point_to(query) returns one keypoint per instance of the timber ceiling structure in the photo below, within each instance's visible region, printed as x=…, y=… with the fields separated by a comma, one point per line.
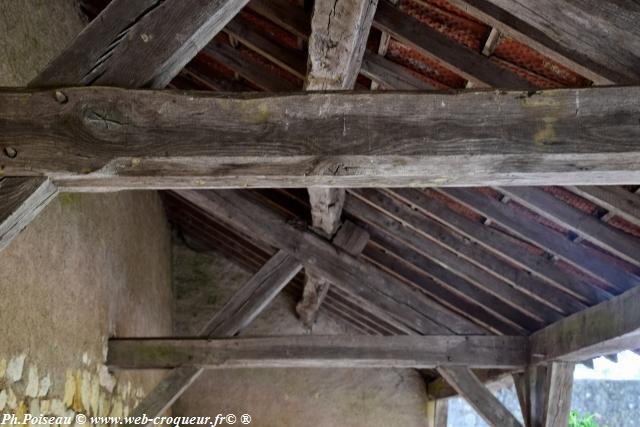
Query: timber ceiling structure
x=398, y=259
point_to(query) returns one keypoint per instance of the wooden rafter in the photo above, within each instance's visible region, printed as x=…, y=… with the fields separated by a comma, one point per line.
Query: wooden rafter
x=405, y=304
x=566, y=32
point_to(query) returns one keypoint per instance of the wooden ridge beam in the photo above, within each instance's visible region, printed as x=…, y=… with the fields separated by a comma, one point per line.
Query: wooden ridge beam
x=582, y=36
x=244, y=306
x=580, y=256
x=478, y=396
x=108, y=138
x=316, y=351
x=609, y=327
x=404, y=303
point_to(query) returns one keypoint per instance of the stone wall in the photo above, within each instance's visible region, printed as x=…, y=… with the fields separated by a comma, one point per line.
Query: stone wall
x=89, y=266
x=285, y=397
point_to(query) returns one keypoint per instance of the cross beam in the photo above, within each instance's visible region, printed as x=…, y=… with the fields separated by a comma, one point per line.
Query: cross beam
x=111, y=139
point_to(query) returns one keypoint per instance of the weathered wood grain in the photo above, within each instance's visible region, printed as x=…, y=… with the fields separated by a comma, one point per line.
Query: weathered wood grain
x=469, y=64
x=583, y=35
x=501, y=245
x=437, y=243
x=162, y=36
x=343, y=270
x=609, y=327
x=558, y=396
x=617, y=200
x=589, y=227
x=577, y=254
x=478, y=396
x=466, y=257
x=114, y=138
x=316, y=351
x=293, y=61
x=339, y=32
x=244, y=306
x=391, y=75
x=21, y=200
x=352, y=239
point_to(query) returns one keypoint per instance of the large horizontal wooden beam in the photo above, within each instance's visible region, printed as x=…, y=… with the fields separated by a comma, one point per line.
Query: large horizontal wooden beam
x=105, y=138
x=314, y=351
x=609, y=327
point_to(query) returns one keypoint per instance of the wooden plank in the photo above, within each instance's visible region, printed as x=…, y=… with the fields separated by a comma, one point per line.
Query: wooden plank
x=589, y=227
x=254, y=72
x=433, y=241
x=580, y=256
x=501, y=245
x=350, y=238
x=316, y=351
x=22, y=199
x=617, y=200
x=410, y=306
x=391, y=75
x=583, y=36
x=465, y=62
x=536, y=392
x=610, y=327
x=145, y=30
x=560, y=386
x=478, y=396
x=520, y=385
x=131, y=139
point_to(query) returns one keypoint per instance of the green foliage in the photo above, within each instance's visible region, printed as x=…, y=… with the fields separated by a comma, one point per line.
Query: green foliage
x=578, y=420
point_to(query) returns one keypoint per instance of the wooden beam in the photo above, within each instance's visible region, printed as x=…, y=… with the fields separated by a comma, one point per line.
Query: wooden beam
x=580, y=256
x=404, y=303
x=437, y=413
x=391, y=75
x=22, y=199
x=293, y=61
x=135, y=44
x=463, y=61
x=469, y=259
x=438, y=389
x=589, y=227
x=558, y=396
x=502, y=245
x=617, y=200
x=582, y=36
x=352, y=239
x=339, y=32
x=326, y=209
x=478, y=396
x=315, y=351
x=131, y=139
x=244, y=306
x=610, y=327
